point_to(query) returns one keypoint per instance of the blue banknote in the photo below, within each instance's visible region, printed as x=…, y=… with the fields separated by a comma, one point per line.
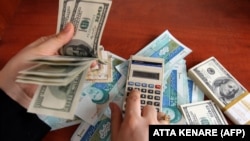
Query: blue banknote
x=95, y=97
x=166, y=46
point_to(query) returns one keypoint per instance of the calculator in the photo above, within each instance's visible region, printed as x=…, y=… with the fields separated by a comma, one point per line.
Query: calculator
x=146, y=75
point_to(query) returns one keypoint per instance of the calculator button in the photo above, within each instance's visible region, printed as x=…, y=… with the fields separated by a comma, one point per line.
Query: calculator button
x=143, y=101
x=137, y=89
x=143, y=90
x=156, y=103
x=149, y=102
x=130, y=83
x=157, y=92
x=157, y=98
x=158, y=110
x=143, y=96
x=144, y=84
x=150, y=91
x=158, y=86
x=137, y=84
x=130, y=88
x=151, y=85
x=150, y=97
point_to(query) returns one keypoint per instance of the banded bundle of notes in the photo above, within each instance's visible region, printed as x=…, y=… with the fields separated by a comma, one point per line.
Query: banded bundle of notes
x=203, y=113
x=221, y=87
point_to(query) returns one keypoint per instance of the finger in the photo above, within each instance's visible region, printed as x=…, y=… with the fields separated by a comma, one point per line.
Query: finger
x=94, y=64
x=133, y=105
x=149, y=111
x=54, y=43
x=163, y=118
x=116, y=120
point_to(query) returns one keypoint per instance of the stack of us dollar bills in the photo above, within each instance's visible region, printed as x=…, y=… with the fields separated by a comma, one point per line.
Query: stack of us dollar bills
x=203, y=113
x=223, y=89
x=61, y=78
x=88, y=18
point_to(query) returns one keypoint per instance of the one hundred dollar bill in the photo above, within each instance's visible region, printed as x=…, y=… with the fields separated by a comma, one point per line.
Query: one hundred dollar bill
x=60, y=60
x=58, y=101
x=65, y=11
x=55, y=75
x=203, y=113
x=216, y=82
x=89, y=18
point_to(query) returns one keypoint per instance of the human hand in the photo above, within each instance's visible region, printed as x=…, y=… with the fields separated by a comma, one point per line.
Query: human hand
x=44, y=46
x=135, y=125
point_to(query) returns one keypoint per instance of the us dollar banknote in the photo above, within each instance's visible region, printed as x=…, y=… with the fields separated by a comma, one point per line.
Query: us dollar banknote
x=203, y=113
x=57, y=101
x=89, y=18
x=216, y=82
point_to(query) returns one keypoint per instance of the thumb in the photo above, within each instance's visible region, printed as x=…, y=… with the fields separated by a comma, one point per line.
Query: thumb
x=116, y=120
x=54, y=43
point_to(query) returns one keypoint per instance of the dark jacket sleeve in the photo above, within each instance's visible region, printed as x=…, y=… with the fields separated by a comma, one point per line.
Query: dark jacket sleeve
x=18, y=125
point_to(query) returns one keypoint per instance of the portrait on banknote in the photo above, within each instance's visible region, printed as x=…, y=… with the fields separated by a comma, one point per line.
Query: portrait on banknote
x=97, y=96
x=78, y=48
x=226, y=89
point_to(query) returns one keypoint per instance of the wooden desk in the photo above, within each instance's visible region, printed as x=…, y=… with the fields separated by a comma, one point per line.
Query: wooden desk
x=219, y=28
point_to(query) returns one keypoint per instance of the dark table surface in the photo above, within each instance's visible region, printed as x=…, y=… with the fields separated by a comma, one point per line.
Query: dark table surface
x=218, y=28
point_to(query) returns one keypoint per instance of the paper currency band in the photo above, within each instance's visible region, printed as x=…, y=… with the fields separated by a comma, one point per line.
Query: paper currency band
x=242, y=101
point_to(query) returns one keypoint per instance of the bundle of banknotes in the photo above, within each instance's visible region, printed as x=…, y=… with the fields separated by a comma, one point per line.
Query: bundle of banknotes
x=203, y=113
x=88, y=18
x=223, y=88
x=61, y=78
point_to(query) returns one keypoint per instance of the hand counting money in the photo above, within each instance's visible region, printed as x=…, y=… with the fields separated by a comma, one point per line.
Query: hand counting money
x=88, y=18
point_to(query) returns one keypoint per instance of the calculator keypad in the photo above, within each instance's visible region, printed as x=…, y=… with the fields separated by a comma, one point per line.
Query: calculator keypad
x=150, y=93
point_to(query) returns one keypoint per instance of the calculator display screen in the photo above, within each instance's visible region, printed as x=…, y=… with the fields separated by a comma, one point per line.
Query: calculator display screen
x=148, y=75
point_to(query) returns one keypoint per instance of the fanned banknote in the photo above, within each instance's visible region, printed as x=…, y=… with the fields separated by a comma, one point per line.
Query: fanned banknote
x=58, y=101
x=89, y=18
x=203, y=113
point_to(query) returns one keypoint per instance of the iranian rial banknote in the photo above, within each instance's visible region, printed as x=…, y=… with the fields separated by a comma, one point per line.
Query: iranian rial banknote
x=95, y=97
x=168, y=47
x=101, y=131
x=203, y=113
